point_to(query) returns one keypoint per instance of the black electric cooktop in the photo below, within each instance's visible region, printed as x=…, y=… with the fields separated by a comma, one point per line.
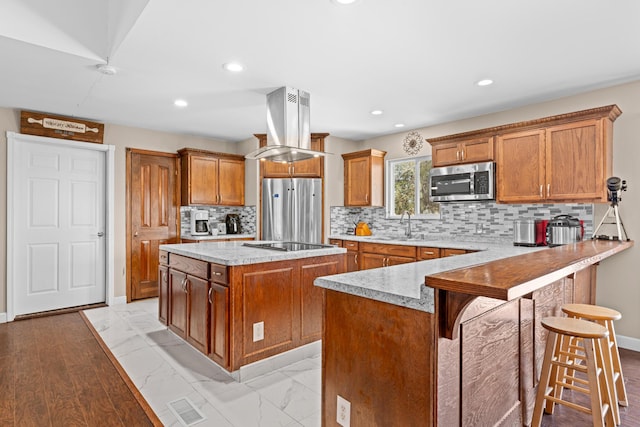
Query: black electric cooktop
x=288, y=246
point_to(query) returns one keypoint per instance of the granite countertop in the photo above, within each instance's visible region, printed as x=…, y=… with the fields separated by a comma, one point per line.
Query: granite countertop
x=403, y=284
x=218, y=236
x=235, y=253
x=469, y=242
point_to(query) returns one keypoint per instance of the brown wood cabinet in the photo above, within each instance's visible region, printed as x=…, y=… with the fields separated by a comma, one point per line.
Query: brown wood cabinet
x=425, y=253
x=218, y=300
x=364, y=178
x=210, y=178
x=445, y=252
x=375, y=255
x=310, y=168
x=163, y=287
x=567, y=162
x=447, y=153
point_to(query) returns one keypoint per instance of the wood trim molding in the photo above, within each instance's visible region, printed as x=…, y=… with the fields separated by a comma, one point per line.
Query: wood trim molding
x=610, y=111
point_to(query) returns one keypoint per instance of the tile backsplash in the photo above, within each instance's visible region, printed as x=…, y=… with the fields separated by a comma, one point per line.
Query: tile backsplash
x=478, y=219
x=217, y=215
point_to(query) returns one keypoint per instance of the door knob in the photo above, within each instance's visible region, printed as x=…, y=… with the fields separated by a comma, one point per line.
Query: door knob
x=135, y=234
x=100, y=234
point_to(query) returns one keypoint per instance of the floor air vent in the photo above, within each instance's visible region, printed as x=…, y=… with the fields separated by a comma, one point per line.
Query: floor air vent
x=186, y=412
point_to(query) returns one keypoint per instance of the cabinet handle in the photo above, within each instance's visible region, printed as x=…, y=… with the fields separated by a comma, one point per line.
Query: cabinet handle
x=429, y=253
x=458, y=155
x=541, y=191
x=355, y=259
x=366, y=198
x=209, y=297
x=164, y=277
x=462, y=155
x=184, y=285
x=548, y=189
x=217, y=273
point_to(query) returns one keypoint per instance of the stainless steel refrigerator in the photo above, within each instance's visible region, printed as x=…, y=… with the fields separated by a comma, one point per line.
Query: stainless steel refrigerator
x=292, y=209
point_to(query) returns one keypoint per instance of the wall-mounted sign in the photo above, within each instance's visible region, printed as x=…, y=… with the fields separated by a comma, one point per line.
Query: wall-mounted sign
x=43, y=124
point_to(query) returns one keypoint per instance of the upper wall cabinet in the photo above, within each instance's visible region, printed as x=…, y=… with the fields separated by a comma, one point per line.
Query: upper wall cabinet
x=310, y=168
x=558, y=159
x=446, y=152
x=364, y=178
x=210, y=178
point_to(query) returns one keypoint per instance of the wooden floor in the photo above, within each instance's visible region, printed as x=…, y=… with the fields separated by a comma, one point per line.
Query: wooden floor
x=629, y=416
x=54, y=372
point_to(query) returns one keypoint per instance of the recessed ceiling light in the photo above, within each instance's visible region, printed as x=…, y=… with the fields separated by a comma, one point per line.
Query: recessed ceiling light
x=376, y=112
x=399, y=125
x=233, y=67
x=484, y=82
x=344, y=2
x=180, y=103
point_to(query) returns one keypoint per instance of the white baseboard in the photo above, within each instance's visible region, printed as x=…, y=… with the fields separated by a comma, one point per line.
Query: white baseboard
x=629, y=343
x=118, y=300
x=3, y=317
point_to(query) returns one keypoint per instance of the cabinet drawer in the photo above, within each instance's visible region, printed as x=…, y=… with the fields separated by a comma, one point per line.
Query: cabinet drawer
x=381, y=248
x=336, y=242
x=218, y=273
x=428, y=253
x=191, y=266
x=164, y=257
x=351, y=246
x=451, y=252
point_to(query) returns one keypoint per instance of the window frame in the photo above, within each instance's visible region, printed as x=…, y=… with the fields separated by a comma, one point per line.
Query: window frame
x=390, y=186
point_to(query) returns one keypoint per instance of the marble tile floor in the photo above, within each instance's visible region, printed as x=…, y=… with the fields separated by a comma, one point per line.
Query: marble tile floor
x=164, y=368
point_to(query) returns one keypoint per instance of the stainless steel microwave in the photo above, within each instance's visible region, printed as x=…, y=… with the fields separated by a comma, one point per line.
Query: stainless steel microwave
x=474, y=181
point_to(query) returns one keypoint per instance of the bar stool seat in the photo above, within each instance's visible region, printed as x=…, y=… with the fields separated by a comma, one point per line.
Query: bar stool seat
x=556, y=360
x=605, y=316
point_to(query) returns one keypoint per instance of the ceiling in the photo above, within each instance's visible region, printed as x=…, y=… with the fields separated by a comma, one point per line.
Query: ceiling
x=417, y=60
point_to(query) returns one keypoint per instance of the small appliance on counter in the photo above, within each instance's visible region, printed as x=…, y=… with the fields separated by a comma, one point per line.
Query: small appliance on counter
x=199, y=223
x=232, y=222
x=530, y=232
x=362, y=229
x=564, y=229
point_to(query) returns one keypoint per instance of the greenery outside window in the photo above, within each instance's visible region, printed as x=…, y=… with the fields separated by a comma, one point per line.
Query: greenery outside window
x=407, y=183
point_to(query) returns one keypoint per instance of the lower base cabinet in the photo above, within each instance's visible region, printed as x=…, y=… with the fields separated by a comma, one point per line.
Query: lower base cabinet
x=241, y=314
x=163, y=293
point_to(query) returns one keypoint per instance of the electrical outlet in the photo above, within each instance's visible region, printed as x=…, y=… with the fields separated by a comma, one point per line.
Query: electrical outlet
x=258, y=331
x=343, y=414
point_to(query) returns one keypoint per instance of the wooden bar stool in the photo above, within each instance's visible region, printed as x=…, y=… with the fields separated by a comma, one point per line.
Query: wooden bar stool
x=605, y=316
x=556, y=360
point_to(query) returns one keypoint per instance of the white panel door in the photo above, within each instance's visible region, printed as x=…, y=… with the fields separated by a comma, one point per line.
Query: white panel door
x=59, y=225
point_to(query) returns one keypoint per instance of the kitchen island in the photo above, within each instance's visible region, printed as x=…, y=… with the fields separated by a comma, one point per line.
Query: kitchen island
x=239, y=304
x=453, y=341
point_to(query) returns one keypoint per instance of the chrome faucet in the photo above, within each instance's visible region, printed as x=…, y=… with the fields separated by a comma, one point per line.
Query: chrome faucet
x=408, y=230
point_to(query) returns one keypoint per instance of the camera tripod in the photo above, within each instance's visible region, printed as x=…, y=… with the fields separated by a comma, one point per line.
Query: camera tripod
x=613, y=209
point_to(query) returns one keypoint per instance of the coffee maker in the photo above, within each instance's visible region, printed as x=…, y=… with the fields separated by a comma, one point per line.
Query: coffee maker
x=233, y=223
x=199, y=223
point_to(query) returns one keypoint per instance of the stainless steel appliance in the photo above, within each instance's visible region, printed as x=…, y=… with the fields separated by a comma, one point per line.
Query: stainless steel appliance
x=232, y=222
x=199, y=222
x=564, y=229
x=288, y=127
x=288, y=246
x=292, y=209
x=474, y=181
x=530, y=232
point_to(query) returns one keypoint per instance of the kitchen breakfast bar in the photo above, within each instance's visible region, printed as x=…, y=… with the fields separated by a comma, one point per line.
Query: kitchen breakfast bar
x=450, y=341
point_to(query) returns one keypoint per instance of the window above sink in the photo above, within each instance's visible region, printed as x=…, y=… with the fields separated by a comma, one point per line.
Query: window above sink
x=407, y=188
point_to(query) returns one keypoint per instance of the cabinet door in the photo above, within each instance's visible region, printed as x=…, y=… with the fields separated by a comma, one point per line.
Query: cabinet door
x=397, y=260
x=311, y=297
x=368, y=261
x=358, y=182
x=479, y=150
x=446, y=154
x=574, y=159
x=231, y=182
x=520, y=168
x=198, y=313
x=203, y=180
x=219, y=324
x=452, y=252
x=352, y=261
x=178, y=303
x=310, y=168
x=163, y=294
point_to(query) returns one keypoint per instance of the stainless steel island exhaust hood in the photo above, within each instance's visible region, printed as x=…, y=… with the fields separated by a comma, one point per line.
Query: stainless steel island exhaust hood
x=288, y=128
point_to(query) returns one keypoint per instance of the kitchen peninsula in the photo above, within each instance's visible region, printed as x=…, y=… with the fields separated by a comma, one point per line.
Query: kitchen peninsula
x=450, y=341
x=239, y=304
